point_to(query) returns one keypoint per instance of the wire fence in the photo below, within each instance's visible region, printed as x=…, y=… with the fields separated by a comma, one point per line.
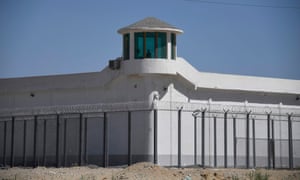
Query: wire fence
x=72, y=139
x=228, y=139
x=168, y=134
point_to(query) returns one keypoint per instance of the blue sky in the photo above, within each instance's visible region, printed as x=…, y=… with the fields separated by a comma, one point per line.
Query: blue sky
x=45, y=37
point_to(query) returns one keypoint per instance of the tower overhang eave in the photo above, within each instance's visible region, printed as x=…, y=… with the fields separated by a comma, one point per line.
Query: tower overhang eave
x=150, y=29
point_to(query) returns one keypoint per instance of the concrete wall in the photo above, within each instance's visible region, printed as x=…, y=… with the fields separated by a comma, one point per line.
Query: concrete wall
x=164, y=85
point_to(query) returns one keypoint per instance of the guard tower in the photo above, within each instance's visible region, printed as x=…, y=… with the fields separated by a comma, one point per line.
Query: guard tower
x=149, y=38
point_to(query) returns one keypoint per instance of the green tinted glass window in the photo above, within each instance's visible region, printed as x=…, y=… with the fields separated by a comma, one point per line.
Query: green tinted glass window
x=150, y=45
x=139, y=45
x=173, y=46
x=161, y=49
x=126, y=46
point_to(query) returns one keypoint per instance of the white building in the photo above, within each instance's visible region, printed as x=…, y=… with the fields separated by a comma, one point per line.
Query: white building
x=150, y=105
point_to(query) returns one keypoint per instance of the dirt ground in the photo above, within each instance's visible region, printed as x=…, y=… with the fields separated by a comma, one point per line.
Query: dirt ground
x=144, y=171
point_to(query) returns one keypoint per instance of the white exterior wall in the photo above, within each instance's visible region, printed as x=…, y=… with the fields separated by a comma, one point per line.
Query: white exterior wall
x=169, y=46
x=176, y=84
x=141, y=78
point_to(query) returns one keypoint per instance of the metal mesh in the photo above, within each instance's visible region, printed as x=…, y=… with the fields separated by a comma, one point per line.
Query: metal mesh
x=243, y=139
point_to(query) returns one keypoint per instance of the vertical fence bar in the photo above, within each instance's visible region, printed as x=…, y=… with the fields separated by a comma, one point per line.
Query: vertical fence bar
x=290, y=136
x=35, y=142
x=253, y=143
x=203, y=138
x=234, y=142
x=12, y=150
x=155, y=136
x=65, y=142
x=57, y=142
x=247, y=140
x=269, y=142
x=225, y=139
x=215, y=141
x=4, y=143
x=195, y=140
x=24, y=142
x=179, y=138
x=80, y=139
x=129, y=139
x=106, y=141
x=45, y=143
x=85, y=141
x=273, y=145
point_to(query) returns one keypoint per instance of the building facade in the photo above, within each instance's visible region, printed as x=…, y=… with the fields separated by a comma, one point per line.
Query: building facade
x=150, y=105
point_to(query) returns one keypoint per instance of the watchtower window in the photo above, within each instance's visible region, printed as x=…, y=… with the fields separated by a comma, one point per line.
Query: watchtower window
x=173, y=46
x=126, y=46
x=161, y=47
x=139, y=45
x=150, y=45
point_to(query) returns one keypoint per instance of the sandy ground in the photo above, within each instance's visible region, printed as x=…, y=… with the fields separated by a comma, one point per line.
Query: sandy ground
x=143, y=171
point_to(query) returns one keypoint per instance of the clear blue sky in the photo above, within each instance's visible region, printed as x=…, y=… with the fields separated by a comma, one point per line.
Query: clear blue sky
x=45, y=37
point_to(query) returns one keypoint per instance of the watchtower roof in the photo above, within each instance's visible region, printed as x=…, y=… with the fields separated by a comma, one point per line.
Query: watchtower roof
x=150, y=24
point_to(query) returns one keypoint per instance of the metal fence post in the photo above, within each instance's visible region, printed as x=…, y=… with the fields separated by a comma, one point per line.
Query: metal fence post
x=24, y=142
x=85, y=141
x=195, y=140
x=290, y=135
x=253, y=142
x=203, y=138
x=65, y=142
x=35, y=141
x=106, y=141
x=225, y=139
x=12, y=150
x=247, y=140
x=129, y=139
x=45, y=142
x=155, y=136
x=273, y=144
x=215, y=141
x=179, y=138
x=234, y=142
x=269, y=142
x=80, y=139
x=57, y=142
